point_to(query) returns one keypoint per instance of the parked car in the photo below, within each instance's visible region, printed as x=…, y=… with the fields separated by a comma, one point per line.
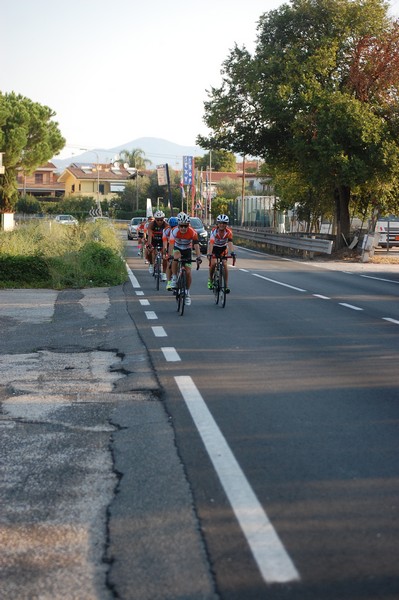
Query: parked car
x=388, y=228
x=132, y=227
x=66, y=220
x=199, y=227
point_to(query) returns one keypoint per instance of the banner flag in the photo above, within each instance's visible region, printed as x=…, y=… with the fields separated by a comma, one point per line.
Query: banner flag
x=188, y=170
x=162, y=174
x=183, y=195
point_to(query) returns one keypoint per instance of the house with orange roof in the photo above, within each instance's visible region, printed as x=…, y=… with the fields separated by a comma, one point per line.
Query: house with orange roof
x=42, y=183
x=92, y=179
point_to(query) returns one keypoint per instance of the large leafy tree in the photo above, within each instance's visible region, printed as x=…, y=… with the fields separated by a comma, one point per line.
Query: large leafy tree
x=319, y=99
x=220, y=160
x=29, y=137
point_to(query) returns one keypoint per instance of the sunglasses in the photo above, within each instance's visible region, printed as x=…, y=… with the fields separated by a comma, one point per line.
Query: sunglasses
x=185, y=226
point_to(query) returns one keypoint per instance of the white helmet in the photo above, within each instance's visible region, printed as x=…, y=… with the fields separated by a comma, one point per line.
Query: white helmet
x=159, y=214
x=183, y=218
x=222, y=219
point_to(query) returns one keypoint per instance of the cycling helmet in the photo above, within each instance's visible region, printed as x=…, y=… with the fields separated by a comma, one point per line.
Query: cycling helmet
x=159, y=214
x=173, y=221
x=222, y=219
x=183, y=218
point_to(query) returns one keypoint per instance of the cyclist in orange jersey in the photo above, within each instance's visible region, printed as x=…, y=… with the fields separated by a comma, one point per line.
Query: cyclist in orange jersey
x=147, y=249
x=140, y=236
x=155, y=233
x=220, y=243
x=165, y=240
x=182, y=240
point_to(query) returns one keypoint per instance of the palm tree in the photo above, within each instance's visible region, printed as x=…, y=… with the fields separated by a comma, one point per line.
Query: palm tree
x=135, y=158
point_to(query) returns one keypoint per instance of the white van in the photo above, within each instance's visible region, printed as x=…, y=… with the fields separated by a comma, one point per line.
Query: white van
x=388, y=229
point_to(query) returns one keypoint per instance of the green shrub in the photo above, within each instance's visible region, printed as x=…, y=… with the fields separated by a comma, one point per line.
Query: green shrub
x=47, y=254
x=24, y=271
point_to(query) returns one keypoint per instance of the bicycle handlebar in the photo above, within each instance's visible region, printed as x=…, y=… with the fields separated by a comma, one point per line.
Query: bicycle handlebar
x=225, y=257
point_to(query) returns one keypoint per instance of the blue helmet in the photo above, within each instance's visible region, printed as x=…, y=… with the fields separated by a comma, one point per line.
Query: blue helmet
x=173, y=221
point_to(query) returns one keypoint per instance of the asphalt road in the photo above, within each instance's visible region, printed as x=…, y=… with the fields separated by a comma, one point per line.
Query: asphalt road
x=94, y=501
x=285, y=408
x=241, y=453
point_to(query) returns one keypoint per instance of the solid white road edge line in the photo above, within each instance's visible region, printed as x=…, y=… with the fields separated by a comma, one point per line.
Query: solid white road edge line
x=132, y=278
x=269, y=553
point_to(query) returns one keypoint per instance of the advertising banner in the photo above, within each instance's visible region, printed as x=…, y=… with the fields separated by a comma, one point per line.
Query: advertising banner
x=188, y=170
x=162, y=174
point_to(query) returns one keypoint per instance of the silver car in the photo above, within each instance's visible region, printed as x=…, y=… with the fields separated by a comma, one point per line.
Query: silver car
x=132, y=227
x=66, y=220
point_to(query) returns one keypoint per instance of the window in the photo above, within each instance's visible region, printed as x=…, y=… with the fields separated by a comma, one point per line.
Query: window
x=38, y=177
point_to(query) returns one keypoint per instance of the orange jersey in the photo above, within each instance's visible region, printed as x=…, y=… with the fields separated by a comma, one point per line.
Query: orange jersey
x=182, y=240
x=220, y=237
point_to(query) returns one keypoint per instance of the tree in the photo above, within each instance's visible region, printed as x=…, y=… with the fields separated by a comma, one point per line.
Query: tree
x=135, y=158
x=319, y=98
x=219, y=160
x=230, y=189
x=28, y=137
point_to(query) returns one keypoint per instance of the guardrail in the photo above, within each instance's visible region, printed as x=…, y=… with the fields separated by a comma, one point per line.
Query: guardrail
x=285, y=240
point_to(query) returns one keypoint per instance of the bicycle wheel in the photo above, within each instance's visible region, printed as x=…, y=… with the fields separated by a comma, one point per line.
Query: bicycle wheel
x=157, y=271
x=216, y=285
x=181, y=292
x=222, y=285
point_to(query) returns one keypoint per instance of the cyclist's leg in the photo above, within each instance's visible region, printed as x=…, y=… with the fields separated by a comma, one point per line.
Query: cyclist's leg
x=212, y=266
x=176, y=256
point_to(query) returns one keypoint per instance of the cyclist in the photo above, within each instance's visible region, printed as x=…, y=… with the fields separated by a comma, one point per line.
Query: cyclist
x=220, y=243
x=182, y=239
x=165, y=239
x=155, y=233
x=147, y=250
x=140, y=236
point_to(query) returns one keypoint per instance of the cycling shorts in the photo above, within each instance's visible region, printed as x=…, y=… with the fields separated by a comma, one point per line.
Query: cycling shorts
x=186, y=254
x=219, y=250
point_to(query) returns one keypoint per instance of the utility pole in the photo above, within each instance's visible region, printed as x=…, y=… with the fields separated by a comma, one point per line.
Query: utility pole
x=243, y=192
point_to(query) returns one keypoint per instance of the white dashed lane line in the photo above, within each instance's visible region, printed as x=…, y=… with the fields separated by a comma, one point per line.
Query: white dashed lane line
x=321, y=297
x=170, y=354
x=350, y=306
x=292, y=287
x=145, y=302
x=150, y=314
x=159, y=332
x=395, y=321
x=344, y=304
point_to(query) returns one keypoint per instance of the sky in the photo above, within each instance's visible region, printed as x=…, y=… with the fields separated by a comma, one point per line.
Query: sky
x=113, y=73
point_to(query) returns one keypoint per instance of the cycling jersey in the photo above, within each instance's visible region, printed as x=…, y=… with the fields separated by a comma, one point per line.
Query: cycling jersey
x=182, y=240
x=157, y=232
x=140, y=229
x=219, y=238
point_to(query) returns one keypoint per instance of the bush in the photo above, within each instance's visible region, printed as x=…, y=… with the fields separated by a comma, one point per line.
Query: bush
x=47, y=254
x=24, y=271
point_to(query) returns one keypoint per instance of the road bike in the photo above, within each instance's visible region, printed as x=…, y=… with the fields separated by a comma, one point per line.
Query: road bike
x=158, y=266
x=181, y=283
x=219, y=285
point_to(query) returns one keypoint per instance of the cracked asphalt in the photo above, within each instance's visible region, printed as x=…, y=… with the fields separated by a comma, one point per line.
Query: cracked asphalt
x=94, y=503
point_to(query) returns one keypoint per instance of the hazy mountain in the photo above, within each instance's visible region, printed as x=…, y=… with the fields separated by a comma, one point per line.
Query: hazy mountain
x=157, y=150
